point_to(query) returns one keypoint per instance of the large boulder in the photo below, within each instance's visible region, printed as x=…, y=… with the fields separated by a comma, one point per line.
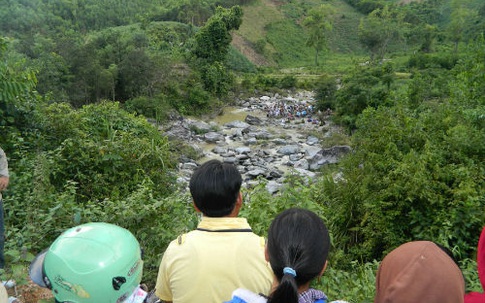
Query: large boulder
x=200, y=127
x=236, y=124
x=252, y=120
x=289, y=149
x=213, y=137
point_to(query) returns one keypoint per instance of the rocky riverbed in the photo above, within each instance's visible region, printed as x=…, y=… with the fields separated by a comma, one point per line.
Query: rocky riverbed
x=262, y=143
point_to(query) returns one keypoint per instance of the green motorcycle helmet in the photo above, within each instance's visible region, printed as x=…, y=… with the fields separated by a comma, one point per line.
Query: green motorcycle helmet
x=90, y=263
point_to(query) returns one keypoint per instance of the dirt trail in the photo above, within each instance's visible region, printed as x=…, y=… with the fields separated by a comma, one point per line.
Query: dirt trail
x=30, y=293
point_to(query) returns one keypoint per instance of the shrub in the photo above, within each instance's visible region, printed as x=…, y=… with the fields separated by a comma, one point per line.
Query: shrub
x=259, y=46
x=157, y=108
x=287, y=82
x=217, y=78
x=238, y=62
x=99, y=145
x=154, y=222
x=261, y=207
x=412, y=175
x=265, y=82
x=424, y=61
x=325, y=92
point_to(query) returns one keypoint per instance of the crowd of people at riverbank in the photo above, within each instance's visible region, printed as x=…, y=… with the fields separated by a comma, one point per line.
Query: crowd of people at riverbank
x=301, y=112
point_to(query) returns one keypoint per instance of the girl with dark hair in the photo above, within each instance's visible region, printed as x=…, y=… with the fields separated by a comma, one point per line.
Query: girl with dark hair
x=297, y=250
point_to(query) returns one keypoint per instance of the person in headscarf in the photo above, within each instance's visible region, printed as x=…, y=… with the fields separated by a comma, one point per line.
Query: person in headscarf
x=419, y=271
x=479, y=297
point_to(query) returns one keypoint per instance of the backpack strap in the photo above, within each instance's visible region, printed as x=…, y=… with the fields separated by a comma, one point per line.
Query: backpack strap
x=181, y=238
x=234, y=230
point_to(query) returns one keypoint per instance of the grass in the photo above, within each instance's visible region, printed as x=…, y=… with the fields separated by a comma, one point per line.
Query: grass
x=256, y=18
x=278, y=26
x=344, y=38
x=288, y=39
x=275, y=27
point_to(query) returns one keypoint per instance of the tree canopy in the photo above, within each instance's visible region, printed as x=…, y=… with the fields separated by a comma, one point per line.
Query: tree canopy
x=318, y=23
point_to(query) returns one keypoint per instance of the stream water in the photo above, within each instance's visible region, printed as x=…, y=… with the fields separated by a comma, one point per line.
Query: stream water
x=263, y=145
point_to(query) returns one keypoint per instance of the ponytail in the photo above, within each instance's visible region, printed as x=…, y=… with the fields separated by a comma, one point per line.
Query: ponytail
x=286, y=292
x=298, y=245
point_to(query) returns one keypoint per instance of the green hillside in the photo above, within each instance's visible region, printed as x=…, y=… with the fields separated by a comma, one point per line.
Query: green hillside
x=343, y=38
x=271, y=33
x=274, y=32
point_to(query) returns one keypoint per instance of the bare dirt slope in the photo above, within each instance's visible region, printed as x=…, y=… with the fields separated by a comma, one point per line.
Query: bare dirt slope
x=253, y=30
x=245, y=48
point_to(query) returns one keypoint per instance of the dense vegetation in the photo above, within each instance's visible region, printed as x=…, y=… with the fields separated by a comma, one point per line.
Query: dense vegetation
x=79, y=78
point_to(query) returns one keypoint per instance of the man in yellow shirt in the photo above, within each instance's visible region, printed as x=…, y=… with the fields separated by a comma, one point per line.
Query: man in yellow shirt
x=222, y=254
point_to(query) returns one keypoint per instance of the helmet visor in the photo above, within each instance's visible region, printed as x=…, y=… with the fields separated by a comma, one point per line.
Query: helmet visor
x=36, y=269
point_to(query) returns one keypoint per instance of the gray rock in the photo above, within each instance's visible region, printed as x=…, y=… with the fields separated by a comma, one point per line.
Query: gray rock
x=314, y=165
x=251, y=141
x=252, y=120
x=182, y=180
x=279, y=141
x=200, y=127
x=273, y=187
x=262, y=153
x=306, y=173
x=230, y=160
x=243, y=150
x=289, y=149
x=256, y=173
x=178, y=132
x=311, y=140
x=275, y=174
x=189, y=165
x=251, y=183
x=237, y=133
x=219, y=150
x=242, y=157
x=213, y=137
x=269, y=159
x=230, y=153
x=186, y=173
x=311, y=151
x=303, y=164
x=333, y=154
x=236, y=124
x=263, y=135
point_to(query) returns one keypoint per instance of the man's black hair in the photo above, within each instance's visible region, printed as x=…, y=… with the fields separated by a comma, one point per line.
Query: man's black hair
x=215, y=187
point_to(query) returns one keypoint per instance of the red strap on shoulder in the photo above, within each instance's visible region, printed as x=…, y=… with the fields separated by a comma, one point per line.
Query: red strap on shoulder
x=481, y=258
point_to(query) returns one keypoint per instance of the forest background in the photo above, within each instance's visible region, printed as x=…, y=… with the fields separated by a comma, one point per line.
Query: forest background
x=84, y=85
